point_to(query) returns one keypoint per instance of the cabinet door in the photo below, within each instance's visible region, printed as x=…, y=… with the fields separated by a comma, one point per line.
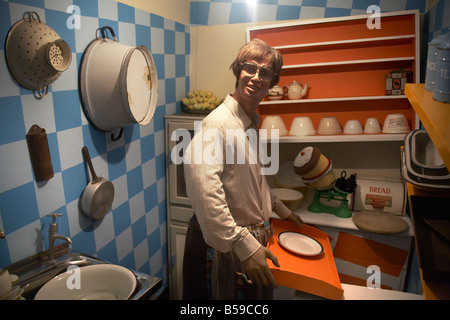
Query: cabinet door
x=177, y=190
x=177, y=240
x=180, y=214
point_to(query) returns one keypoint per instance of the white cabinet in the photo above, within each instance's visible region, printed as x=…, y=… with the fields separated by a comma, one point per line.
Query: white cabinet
x=177, y=240
x=179, y=211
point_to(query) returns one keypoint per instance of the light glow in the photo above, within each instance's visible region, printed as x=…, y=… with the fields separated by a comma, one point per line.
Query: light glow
x=252, y=3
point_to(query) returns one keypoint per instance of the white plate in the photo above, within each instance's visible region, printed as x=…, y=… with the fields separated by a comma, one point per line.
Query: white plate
x=300, y=243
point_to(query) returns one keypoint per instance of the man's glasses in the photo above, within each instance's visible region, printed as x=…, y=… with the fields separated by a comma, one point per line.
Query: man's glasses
x=265, y=74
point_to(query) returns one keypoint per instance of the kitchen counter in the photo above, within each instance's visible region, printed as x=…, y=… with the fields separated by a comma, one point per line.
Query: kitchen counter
x=351, y=292
x=331, y=220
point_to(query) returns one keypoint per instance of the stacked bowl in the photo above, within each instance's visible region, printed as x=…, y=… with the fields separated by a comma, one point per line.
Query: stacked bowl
x=422, y=164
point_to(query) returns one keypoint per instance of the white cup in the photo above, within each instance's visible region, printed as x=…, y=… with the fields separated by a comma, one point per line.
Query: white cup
x=353, y=127
x=329, y=125
x=302, y=126
x=274, y=122
x=372, y=126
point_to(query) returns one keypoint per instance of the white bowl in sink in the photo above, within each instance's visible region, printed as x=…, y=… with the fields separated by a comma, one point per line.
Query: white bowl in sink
x=93, y=282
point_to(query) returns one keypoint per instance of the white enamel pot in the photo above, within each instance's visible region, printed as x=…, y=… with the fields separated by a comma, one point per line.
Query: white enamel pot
x=118, y=84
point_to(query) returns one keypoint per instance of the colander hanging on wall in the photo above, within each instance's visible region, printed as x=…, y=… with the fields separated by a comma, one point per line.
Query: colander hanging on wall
x=35, y=54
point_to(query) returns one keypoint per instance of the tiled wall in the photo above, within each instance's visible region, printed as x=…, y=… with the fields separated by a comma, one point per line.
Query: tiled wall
x=437, y=20
x=216, y=12
x=133, y=233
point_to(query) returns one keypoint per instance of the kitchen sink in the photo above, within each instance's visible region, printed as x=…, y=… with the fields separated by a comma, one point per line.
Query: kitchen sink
x=36, y=271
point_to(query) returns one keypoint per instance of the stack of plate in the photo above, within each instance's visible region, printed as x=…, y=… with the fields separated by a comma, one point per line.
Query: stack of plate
x=7, y=290
x=14, y=294
x=422, y=164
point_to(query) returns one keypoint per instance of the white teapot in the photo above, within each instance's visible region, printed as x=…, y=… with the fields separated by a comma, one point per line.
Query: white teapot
x=295, y=91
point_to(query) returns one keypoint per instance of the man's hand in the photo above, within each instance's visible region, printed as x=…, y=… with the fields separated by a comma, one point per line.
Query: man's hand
x=296, y=219
x=256, y=267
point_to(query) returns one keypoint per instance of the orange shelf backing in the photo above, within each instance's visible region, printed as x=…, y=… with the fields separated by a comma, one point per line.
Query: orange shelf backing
x=337, y=30
x=343, y=58
x=316, y=275
x=370, y=50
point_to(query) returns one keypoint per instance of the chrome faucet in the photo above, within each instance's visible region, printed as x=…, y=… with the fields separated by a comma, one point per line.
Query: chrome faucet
x=53, y=235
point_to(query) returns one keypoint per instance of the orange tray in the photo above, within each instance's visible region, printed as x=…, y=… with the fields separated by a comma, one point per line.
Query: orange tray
x=316, y=275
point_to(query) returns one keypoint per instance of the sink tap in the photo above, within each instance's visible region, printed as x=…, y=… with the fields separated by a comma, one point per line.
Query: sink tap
x=53, y=235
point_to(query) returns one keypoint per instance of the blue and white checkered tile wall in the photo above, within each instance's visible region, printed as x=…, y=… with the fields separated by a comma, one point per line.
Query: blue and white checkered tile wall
x=216, y=12
x=437, y=20
x=133, y=233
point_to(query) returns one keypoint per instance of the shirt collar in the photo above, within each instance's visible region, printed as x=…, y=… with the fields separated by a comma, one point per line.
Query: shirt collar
x=238, y=112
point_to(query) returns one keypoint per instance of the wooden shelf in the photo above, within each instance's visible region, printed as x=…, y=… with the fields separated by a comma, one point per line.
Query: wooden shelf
x=347, y=62
x=335, y=99
x=345, y=65
x=344, y=42
x=435, y=117
x=342, y=138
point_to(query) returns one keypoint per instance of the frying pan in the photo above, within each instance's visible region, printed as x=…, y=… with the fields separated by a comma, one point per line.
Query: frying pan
x=98, y=196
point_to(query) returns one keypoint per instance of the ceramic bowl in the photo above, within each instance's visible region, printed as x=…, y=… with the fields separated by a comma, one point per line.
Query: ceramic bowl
x=291, y=198
x=96, y=282
x=274, y=122
x=302, y=126
x=395, y=123
x=353, y=127
x=329, y=125
x=372, y=126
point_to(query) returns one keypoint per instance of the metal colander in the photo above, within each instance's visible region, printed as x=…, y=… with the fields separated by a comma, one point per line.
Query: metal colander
x=35, y=53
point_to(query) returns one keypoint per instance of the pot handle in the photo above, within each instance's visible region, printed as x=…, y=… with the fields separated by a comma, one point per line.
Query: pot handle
x=89, y=162
x=41, y=92
x=103, y=32
x=31, y=16
x=119, y=135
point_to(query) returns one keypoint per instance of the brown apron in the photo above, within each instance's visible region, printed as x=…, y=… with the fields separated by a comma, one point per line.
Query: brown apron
x=226, y=279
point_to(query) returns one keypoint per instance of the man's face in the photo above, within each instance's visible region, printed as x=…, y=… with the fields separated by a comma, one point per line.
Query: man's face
x=253, y=85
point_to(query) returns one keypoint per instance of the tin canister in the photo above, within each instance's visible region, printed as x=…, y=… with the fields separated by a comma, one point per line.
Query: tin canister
x=430, y=76
x=442, y=84
x=380, y=194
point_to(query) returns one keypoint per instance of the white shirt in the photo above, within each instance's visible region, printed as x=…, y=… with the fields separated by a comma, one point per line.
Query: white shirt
x=228, y=195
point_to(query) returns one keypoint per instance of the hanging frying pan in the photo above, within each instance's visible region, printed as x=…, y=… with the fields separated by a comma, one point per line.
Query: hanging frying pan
x=98, y=196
